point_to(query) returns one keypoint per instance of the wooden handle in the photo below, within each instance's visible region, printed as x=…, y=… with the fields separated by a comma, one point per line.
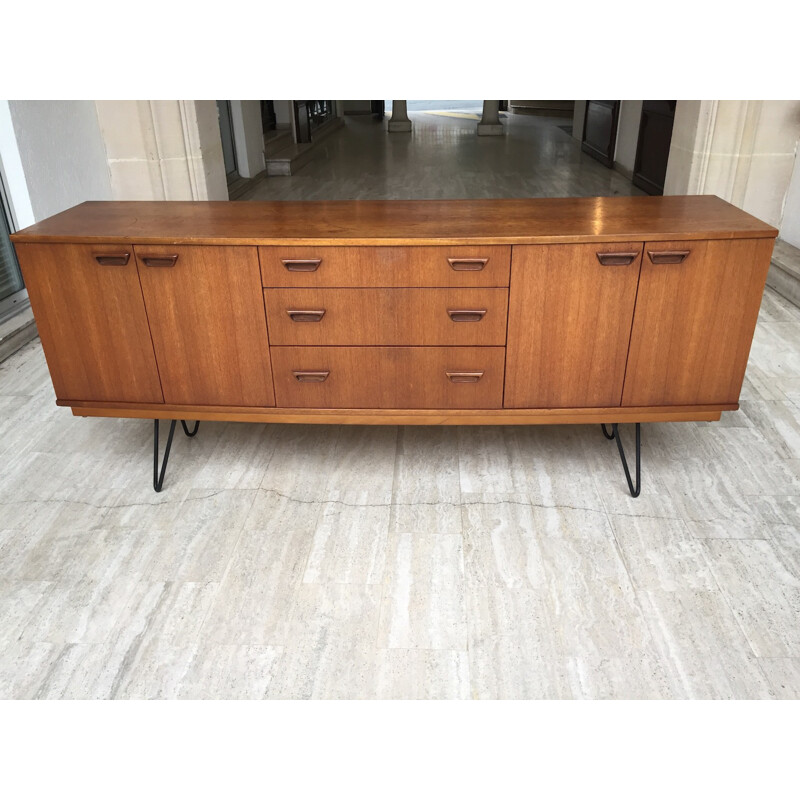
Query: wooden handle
x=160, y=261
x=311, y=377
x=467, y=264
x=667, y=256
x=465, y=315
x=112, y=259
x=301, y=264
x=464, y=377
x=305, y=316
x=616, y=259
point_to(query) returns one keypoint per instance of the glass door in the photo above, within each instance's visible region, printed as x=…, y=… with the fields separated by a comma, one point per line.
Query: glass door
x=12, y=289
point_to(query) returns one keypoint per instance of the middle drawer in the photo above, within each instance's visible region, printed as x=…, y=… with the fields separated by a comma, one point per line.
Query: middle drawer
x=474, y=317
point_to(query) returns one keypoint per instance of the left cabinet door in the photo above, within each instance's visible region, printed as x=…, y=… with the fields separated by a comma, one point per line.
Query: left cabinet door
x=91, y=319
x=206, y=310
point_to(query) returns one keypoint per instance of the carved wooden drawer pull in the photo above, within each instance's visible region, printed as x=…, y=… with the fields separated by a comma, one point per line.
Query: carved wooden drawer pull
x=467, y=264
x=667, y=256
x=311, y=377
x=112, y=259
x=297, y=315
x=464, y=377
x=466, y=315
x=616, y=259
x=160, y=261
x=301, y=264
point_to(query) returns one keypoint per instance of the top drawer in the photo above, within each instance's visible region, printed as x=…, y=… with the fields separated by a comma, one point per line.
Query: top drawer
x=385, y=266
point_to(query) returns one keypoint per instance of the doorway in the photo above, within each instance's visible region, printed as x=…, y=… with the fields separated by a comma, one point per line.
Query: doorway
x=269, y=121
x=600, y=130
x=228, y=146
x=652, y=150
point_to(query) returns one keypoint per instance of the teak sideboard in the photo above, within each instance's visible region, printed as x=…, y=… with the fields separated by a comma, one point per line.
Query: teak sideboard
x=458, y=312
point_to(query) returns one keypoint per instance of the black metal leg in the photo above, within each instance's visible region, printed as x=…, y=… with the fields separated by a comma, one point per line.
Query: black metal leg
x=635, y=490
x=158, y=479
x=186, y=429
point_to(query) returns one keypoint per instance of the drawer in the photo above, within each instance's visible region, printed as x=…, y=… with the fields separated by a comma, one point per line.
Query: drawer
x=387, y=316
x=385, y=266
x=388, y=377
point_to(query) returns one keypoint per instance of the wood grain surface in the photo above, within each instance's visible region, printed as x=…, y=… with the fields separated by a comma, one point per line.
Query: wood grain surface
x=694, y=323
x=569, y=325
x=207, y=320
x=424, y=416
x=387, y=316
x=388, y=377
x=388, y=266
x=92, y=322
x=399, y=222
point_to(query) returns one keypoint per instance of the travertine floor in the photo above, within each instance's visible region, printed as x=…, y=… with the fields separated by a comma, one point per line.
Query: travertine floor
x=363, y=562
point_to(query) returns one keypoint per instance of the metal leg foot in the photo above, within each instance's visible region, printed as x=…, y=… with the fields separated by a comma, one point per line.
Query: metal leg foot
x=186, y=429
x=635, y=490
x=158, y=478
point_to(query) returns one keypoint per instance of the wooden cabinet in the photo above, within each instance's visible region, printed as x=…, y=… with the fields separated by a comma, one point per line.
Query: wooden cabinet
x=696, y=312
x=91, y=319
x=207, y=320
x=569, y=324
x=450, y=312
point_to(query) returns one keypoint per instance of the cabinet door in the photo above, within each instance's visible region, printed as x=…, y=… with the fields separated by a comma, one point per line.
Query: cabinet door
x=206, y=315
x=569, y=323
x=91, y=319
x=695, y=316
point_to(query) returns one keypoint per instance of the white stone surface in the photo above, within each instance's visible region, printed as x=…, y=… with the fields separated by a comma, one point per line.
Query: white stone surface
x=248, y=136
x=62, y=154
x=163, y=149
x=490, y=121
x=630, y=117
x=741, y=150
x=399, y=121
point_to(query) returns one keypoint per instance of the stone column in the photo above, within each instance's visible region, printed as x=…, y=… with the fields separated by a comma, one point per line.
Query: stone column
x=163, y=149
x=490, y=124
x=741, y=150
x=399, y=121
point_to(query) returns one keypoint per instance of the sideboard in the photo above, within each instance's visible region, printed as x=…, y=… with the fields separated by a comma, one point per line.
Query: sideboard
x=421, y=312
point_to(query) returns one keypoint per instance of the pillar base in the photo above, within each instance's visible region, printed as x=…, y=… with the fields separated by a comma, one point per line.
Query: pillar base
x=490, y=129
x=399, y=125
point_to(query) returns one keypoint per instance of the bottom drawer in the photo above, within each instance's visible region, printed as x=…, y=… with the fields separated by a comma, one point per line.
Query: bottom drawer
x=388, y=377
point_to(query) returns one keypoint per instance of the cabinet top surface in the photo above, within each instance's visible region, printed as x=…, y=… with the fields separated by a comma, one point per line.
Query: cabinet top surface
x=401, y=222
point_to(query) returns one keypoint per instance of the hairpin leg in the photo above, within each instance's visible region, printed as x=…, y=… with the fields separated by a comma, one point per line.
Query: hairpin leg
x=635, y=490
x=158, y=477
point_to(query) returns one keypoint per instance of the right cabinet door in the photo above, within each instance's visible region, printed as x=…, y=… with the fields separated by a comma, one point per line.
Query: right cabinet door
x=569, y=323
x=696, y=312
